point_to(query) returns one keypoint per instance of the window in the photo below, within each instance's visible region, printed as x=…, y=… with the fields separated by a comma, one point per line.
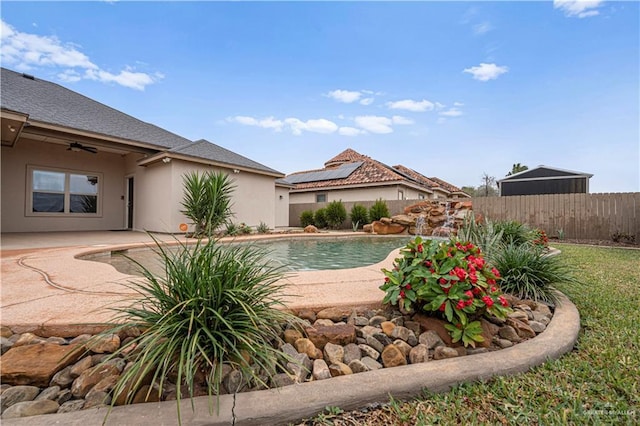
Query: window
x=400, y=194
x=60, y=192
x=420, y=196
x=321, y=198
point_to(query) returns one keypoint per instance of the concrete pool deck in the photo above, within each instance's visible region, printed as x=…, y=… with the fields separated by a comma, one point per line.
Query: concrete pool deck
x=46, y=289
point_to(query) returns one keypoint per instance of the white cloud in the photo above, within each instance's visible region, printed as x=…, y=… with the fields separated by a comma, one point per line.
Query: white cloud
x=398, y=119
x=451, y=112
x=374, y=123
x=27, y=51
x=441, y=120
x=458, y=104
x=350, y=131
x=345, y=96
x=578, y=8
x=486, y=72
x=266, y=123
x=439, y=106
x=366, y=101
x=482, y=28
x=320, y=125
x=411, y=105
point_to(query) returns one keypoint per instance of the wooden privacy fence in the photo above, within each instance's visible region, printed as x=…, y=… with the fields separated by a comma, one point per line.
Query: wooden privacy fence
x=582, y=216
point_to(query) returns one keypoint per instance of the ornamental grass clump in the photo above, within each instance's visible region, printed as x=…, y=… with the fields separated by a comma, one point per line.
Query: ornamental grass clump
x=449, y=279
x=215, y=308
x=529, y=273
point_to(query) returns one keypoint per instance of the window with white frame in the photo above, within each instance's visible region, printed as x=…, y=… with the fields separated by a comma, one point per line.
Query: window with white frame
x=54, y=192
x=400, y=194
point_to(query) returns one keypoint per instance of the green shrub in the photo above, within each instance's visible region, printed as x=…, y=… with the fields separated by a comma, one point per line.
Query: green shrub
x=306, y=218
x=320, y=218
x=528, y=273
x=335, y=214
x=359, y=216
x=207, y=200
x=513, y=232
x=482, y=234
x=232, y=229
x=215, y=306
x=263, y=228
x=448, y=278
x=378, y=210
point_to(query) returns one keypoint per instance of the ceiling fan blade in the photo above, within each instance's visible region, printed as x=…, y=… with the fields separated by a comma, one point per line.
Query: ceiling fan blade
x=75, y=146
x=90, y=149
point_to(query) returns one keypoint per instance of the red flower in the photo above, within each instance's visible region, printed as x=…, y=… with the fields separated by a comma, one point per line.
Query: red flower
x=460, y=305
x=427, y=264
x=471, y=268
x=477, y=291
x=495, y=272
x=488, y=301
x=442, y=307
x=408, y=287
x=491, y=281
x=402, y=294
x=442, y=281
x=469, y=294
x=503, y=301
x=420, y=248
x=473, y=277
x=479, y=262
x=460, y=273
x=386, y=279
x=469, y=302
x=494, y=289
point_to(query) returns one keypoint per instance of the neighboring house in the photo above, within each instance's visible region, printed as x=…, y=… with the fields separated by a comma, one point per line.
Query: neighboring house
x=545, y=180
x=351, y=176
x=70, y=163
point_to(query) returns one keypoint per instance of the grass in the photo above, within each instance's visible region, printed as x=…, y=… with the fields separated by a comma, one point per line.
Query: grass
x=596, y=383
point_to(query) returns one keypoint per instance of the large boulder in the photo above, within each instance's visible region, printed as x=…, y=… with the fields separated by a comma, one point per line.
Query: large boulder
x=36, y=364
x=387, y=229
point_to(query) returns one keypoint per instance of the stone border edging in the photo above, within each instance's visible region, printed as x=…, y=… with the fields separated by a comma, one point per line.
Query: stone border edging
x=305, y=400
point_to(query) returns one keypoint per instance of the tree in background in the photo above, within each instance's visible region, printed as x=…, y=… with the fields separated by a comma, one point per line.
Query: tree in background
x=471, y=190
x=488, y=187
x=517, y=168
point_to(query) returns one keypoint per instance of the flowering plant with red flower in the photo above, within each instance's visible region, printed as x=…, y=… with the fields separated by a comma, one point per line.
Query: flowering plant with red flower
x=539, y=238
x=447, y=278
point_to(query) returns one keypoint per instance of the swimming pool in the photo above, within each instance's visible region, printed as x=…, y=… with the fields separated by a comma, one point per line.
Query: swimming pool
x=295, y=254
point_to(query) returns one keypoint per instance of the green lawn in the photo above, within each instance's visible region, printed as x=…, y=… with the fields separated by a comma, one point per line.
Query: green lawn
x=597, y=383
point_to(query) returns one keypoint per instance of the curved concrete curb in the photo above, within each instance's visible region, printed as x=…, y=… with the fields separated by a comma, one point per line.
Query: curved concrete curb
x=347, y=392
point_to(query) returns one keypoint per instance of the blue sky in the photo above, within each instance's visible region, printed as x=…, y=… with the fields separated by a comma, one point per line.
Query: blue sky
x=450, y=89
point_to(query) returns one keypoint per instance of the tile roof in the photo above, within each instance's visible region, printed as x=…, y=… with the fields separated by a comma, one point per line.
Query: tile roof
x=210, y=151
x=418, y=177
x=371, y=171
x=446, y=185
x=51, y=103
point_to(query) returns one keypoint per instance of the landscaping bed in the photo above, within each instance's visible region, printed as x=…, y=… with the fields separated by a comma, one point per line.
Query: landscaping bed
x=57, y=375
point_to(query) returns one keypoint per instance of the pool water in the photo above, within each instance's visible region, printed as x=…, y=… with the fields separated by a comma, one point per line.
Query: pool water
x=294, y=254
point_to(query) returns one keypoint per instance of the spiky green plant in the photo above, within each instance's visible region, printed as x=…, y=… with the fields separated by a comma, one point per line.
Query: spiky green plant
x=207, y=200
x=529, y=273
x=482, y=234
x=216, y=305
x=263, y=228
x=513, y=232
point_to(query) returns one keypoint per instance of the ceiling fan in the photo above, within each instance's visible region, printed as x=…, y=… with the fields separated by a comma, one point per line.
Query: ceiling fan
x=77, y=147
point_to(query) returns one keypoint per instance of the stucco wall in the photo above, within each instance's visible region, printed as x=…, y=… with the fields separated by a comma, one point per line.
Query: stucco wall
x=358, y=194
x=253, y=199
x=282, y=207
x=14, y=187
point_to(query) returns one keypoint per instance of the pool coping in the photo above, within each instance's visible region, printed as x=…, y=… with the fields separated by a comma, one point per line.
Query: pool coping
x=295, y=402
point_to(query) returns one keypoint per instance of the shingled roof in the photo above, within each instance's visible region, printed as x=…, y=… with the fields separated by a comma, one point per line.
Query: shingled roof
x=210, y=151
x=422, y=179
x=446, y=185
x=50, y=103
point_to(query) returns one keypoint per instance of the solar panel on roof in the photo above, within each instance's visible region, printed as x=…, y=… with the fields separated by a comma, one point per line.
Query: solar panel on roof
x=341, y=172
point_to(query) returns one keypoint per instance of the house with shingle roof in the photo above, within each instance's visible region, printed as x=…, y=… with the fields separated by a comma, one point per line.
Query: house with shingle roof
x=70, y=163
x=351, y=176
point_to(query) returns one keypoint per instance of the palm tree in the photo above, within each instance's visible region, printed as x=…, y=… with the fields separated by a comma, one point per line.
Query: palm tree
x=517, y=168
